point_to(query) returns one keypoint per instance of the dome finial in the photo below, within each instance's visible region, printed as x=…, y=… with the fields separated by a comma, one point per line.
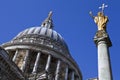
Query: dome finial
x=48, y=21
x=50, y=14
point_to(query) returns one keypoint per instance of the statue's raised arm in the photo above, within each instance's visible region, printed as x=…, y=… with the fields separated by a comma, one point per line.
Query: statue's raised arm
x=91, y=14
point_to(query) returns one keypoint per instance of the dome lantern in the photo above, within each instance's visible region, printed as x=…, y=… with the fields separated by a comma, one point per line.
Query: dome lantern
x=48, y=21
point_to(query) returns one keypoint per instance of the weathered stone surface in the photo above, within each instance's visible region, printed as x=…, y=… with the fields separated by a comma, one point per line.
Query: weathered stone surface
x=102, y=35
x=8, y=69
x=103, y=43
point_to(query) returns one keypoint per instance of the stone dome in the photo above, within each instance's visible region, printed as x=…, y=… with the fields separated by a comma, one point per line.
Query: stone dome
x=36, y=35
x=41, y=45
x=41, y=31
x=40, y=36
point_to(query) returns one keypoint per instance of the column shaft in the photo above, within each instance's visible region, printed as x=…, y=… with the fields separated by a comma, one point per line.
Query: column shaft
x=48, y=63
x=15, y=56
x=66, y=73
x=104, y=68
x=72, y=76
x=25, y=61
x=36, y=63
x=57, y=70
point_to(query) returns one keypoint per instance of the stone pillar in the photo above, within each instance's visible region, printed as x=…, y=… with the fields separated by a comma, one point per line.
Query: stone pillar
x=47, y=66
x=66, y=72
x=25, y=61
x=48, y=63
x=72, y=76
x=15, y=56
x=103, y=43
x=57, y=70
x=36, y=63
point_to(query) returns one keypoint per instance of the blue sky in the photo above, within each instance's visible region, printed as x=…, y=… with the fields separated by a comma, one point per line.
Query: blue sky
x=71, y=19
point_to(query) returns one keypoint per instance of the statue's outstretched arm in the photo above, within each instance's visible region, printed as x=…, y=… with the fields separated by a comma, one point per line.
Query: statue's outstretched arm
x=91, y=14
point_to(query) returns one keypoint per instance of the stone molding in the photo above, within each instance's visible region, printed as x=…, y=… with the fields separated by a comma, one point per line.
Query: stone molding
x=102, y=35
x=39, y=40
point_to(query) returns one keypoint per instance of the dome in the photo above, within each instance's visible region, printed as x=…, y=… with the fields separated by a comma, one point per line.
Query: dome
x=42, y=31
x=41, y=49
x=40, y=36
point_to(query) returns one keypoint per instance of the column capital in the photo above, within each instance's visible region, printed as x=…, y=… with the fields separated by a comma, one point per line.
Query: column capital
x=102, y=35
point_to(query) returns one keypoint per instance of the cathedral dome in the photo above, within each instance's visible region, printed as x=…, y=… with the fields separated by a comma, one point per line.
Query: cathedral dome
x=42, y=31
x=42, y=36
x=41, y=50
x=36, y=32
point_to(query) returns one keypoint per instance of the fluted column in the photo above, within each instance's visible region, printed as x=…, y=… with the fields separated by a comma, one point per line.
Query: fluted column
x=36, y=63
x=48, y=63
x=57, y=70
x=15, y=56
x=66, y=73
x=72, y=76
x=25, y=61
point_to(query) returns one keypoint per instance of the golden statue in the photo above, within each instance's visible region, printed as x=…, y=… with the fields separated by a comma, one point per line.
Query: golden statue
x=101, y=20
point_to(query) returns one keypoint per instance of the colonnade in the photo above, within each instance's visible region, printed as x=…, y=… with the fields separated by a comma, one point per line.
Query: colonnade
x=68, y=73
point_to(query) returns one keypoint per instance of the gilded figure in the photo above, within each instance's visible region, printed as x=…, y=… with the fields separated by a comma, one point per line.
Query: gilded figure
x=101, y=20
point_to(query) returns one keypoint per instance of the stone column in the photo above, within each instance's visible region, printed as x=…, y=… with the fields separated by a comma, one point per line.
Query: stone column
x=15, y=56
x=66, y=72
x=47, y=66
x=36, y=63
x=48, y=63
x=57, y=70
x=103, y=43
x=25, y=61
x=72, y=76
